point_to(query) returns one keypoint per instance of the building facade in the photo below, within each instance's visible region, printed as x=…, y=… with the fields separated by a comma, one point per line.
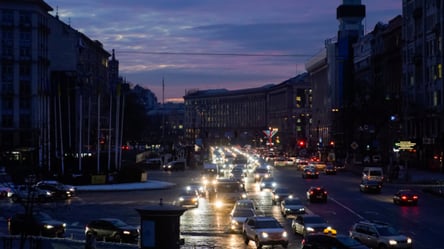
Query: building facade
x=25, y=82
x=240, y=117
x=422, y=85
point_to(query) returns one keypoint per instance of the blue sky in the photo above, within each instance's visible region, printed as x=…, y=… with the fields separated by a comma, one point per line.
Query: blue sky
x=212, y=44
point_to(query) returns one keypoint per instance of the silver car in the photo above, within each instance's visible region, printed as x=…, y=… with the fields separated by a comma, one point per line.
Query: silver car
x=264, y=230
x=377, y=234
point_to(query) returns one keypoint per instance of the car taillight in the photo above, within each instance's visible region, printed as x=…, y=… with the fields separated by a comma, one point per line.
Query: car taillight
x=404, y=197
x=311, y=192
x=415, y=197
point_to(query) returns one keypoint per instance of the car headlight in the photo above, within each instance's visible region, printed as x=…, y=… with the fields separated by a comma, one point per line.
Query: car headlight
x=310, y=229
x=219, y=204
x=181, y=199
x=263, y=184
x=273, y=184
x=276, y=196
x=301, y=209
x=48, y=226
x=264, y=235
x=244, y=196
x=233, y=222
x=284, y=234
x=393, y=242
x=409, y=240
x=126, y=232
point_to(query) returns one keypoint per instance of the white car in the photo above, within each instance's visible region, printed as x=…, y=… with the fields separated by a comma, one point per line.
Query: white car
x=264, y=230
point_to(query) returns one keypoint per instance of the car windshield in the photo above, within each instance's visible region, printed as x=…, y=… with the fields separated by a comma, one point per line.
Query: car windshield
x=268, y=224
x=281, y=191
x=117, y=223
x=387, y=231
x=313, y=219
x=243, y=213
x=293, y=202
x=244, y=204
x=261, y=170
x=42, y=216
x=376, y=173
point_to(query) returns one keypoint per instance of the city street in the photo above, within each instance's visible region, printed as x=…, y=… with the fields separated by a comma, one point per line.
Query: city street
x=208, y=226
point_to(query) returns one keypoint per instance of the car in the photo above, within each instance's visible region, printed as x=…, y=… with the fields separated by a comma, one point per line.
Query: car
x=23, y=193
x=71, y=188
x=309, y=223
x=188, y=198
x=370, y=186
x=378, y=234
x=195, y=186
x=57, y=191
x=406, y=197
x=261, y=173
x=244, y=204
x=238, y=217
x=317, y=193
x=5, y=192
x=264, y=230
x=373, y=173
x=310, y=172
x=292, y=206
x=278, y=194
x=37, y=224
x=267, y=184
x=338, y=241
x=153, y=163
x=174, y=165
x=330, y=169
x=112, y=229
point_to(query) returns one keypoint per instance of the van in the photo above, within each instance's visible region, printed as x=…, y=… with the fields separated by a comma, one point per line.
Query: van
x=373, y=173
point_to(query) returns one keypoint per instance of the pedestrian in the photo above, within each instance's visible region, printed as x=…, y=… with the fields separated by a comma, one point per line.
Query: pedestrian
x=90, y=241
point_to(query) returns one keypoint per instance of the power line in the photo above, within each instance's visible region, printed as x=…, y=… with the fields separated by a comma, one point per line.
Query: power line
x=214, y=54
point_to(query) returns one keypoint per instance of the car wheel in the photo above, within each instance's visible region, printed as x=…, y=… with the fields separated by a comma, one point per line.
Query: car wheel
x=382, y=246
x=117, y=238
x=258, y=243
x=246, y=240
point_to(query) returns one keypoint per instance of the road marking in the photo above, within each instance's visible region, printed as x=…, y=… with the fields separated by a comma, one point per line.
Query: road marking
x=347, y=208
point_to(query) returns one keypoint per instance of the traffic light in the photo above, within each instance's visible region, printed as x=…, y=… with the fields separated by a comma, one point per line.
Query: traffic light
x=301, y=143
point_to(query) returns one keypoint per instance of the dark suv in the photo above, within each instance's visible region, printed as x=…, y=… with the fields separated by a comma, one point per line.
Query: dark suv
x=377, y=234
x=38, y=224
x=317, y=193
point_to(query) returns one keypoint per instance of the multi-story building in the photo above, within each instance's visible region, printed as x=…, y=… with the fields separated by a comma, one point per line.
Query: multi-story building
x=57, y=102
x=25, y=82
x=220, y=117
x=422, y=86
x=377, y=65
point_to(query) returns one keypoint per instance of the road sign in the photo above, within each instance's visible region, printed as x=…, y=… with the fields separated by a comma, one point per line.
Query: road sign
x=405, y=145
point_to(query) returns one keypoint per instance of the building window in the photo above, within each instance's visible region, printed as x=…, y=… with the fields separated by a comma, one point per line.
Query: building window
x=7, y=121
x=436, y=98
